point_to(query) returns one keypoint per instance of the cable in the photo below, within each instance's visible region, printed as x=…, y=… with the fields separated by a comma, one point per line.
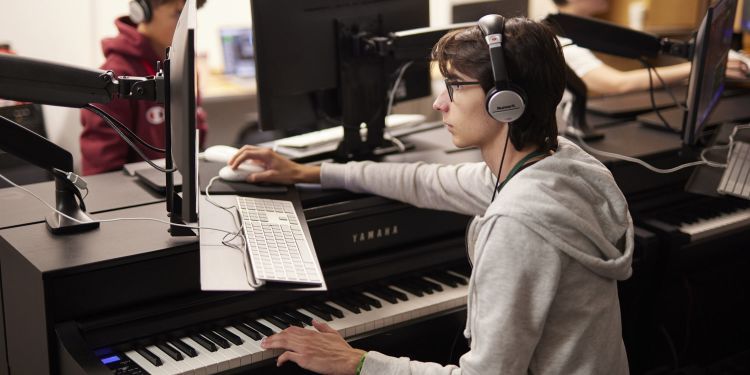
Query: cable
x=651, y=96
x=641, y=162
x=389, y=108
x=500, y=170
x=123, y=127
x=127, y=140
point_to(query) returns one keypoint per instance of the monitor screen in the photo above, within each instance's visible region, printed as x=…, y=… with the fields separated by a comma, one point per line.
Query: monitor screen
x=471, y=12
x=745, y=19
x=239, y=54
x=296, y=55
x=706, y=84
x=181, y=109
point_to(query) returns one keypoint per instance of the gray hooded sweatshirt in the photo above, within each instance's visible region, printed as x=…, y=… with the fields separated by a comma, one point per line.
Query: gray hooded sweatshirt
x=546, y=256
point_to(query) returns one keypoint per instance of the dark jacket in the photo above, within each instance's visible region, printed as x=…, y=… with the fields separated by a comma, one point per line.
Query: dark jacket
x=128, y=54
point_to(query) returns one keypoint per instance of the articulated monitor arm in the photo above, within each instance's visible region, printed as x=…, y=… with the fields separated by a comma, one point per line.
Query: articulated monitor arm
x=31, y=80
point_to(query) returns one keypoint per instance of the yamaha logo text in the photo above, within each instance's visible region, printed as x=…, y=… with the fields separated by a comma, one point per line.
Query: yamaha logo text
x=375, y=234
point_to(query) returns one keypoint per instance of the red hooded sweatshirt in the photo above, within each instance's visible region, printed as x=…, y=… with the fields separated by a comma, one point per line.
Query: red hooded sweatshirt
x=102, y=150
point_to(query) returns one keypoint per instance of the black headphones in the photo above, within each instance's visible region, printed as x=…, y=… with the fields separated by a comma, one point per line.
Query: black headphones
x=505, y=102
x=140, y=11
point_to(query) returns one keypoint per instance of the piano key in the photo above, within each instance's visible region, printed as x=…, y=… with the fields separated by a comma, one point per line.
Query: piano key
x=216, y=339
x=344, y=302
x=247, y=331
x=149, y=356
x=382, y=294
x=278, y=323
x=716, y=224
x=183, y=347
x=360, y=302
x=318, y=312
x=442, y=278
x=260, y=327
x=145, y=364
x=300, y=316
x=209, y=359
x=288, y=319
x=202, y=341
x=464, y=271
x=330, y=309
x=408, y=287
x=372, y=301
x=254, y=353
x=435, y=286
x=417, y=283
x=268, y=324
x=231, y=337
x=190, y=364
x=170, y=351
x=169, y=366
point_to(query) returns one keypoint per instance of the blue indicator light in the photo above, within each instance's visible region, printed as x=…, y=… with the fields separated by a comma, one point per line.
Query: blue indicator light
x=111, y=359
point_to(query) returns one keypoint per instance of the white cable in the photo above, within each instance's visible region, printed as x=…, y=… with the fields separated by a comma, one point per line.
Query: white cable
x=391, y=97
x=641, y=162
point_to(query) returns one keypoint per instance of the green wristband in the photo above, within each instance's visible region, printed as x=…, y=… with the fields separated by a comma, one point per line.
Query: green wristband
x=360, y=364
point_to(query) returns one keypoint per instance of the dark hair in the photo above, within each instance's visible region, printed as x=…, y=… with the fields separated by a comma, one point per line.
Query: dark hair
x=534, y=62
x=560, y=2
x=156, y=3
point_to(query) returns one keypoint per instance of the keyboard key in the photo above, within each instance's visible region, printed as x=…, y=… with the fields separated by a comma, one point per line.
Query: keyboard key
x=185, y=348
x=202, y=341
x=262, y=328
x=231, y=337
x=247, y=331
x=382, y=293
x=300, y=316
x=170, y=351
x=151, y=357
x=371, y=301
x=319, y=313
x=278, y=323
x=216, y=339
x=343, y=302
x=330, y=309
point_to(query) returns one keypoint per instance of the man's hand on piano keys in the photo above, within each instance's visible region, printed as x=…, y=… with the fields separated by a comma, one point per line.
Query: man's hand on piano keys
x=322, y=350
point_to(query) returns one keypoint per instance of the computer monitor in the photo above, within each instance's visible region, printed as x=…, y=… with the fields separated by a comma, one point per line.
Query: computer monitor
x=706, y=83
x=471, y=12
x=745, y=19
x=239, y=54
x=180, y=111
x=297, y=53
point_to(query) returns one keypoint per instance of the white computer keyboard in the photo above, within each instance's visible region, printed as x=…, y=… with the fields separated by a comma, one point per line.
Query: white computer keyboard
x=736, y=178
x=275, y=242
x=335, y=134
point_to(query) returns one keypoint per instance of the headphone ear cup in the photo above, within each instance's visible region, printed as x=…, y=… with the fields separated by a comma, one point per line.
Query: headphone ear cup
x=505, y=105
x=140, y=11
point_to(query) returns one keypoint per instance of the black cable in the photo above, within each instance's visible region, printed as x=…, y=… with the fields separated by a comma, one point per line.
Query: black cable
x=123, y=127
x=127, y=140
x=651, y=96
x=502, y=160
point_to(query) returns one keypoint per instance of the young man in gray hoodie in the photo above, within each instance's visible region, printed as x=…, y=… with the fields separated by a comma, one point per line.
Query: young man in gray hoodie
x=551, y=236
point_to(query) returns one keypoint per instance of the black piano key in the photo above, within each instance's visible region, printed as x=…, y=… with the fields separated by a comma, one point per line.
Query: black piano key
x=260, y=327
x=276, y=322
x=330, y=309
x=231, y=337
x=183, y=347
x=381, y=293
x=287, y=319
x=299, y=322
x=202, y=341
x=319, y=313
x=417, y=283
x=435, y=286
x=345, y=303
x=170, y=351
x=300, y=316
x=247, y=331
x=216, y=339
x=396, y=293
x=151, y=357
x=451, y=276
x=361, y=302
x=443, y=278
x=464, y=271
x=409, y=288
x=372, y=301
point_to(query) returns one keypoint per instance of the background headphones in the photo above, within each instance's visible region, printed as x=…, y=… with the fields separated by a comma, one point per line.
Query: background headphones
x=140, y=11
x=505, y=102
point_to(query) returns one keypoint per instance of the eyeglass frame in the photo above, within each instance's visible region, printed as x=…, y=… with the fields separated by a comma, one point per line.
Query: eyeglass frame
x=449, y=83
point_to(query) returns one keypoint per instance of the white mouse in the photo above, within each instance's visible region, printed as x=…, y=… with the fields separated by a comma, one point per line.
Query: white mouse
x=219, y=154
x=241, y=173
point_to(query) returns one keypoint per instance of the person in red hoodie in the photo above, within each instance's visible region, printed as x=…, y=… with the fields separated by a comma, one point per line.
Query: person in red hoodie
x=142, y=41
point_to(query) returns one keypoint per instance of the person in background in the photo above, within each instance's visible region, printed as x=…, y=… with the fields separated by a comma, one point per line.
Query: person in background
x=142, y=41
x=604, y=79
x=551, y=236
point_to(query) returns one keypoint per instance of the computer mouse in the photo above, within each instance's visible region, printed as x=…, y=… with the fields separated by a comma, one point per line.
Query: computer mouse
x=241, y=173
x=219, y=154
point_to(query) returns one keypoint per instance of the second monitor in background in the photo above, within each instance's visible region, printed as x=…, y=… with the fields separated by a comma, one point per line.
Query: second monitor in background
x=239, y=53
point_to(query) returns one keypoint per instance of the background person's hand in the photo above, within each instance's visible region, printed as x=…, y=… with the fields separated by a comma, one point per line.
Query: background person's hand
x=323, y=351
x=278, y=169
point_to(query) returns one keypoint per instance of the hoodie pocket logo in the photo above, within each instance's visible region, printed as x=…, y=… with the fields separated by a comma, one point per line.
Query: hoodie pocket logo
x=155, y=115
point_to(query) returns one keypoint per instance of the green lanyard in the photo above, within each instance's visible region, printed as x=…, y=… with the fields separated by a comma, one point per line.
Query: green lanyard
x=518, y=166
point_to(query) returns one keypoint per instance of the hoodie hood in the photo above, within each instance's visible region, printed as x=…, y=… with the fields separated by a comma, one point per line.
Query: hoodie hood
x=576, y=205
x=129, y=43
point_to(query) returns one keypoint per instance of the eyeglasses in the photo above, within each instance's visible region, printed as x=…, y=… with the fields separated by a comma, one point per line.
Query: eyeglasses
x=451, y=85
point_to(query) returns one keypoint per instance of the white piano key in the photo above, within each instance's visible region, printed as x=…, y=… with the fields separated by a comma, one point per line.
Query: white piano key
x=145, y=364
x=211, y=359
x=193, y=363
x=180, y=366
x=253, y=351
x=719, y=224
x=167, y=363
